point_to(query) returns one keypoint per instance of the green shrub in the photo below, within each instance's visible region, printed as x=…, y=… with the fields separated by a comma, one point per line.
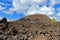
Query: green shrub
x=53, y=21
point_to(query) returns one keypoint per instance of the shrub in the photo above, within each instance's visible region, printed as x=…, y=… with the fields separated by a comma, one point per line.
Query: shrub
x=53, y=21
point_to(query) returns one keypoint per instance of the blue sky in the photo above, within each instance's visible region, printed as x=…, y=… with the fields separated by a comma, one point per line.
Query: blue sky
x=16, y=9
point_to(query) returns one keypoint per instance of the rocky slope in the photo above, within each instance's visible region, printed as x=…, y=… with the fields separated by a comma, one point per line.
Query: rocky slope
x=33, y=27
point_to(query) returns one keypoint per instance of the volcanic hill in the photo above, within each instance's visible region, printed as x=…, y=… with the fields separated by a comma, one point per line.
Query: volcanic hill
x=32, y=27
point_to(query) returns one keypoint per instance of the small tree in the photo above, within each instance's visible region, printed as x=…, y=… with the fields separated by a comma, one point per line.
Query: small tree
x=53, y=21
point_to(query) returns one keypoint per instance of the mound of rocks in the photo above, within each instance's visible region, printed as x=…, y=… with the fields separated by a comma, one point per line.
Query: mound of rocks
x=33, y=27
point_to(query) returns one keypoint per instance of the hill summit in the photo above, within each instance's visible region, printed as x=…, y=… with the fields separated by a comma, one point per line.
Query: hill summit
x=42, y=18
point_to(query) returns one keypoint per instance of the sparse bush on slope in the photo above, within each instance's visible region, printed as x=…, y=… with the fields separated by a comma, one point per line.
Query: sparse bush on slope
x=53, y=21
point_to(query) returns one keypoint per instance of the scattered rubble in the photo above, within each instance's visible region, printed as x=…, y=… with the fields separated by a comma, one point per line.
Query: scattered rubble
x=33, y=27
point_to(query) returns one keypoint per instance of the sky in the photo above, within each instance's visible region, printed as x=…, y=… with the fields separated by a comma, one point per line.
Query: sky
x=16, y=9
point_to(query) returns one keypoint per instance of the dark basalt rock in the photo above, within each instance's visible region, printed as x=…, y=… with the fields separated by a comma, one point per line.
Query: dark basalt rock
x=3, y=24
x=1, y=39
x=4, y=20
x=15, y=32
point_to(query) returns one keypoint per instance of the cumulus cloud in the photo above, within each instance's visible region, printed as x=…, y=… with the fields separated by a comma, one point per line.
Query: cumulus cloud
x=4, y=4
x=57, y=19
x=9, y=20
x=58, y=14
x=51, y=17
x=30, y=7
x=25, y=5
x=41, y=10
x=10, y=11
x=53, y=2
x=47, y=10
x=1, y=8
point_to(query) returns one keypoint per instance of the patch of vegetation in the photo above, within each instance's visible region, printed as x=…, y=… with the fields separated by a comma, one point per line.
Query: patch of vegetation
x=53, y=21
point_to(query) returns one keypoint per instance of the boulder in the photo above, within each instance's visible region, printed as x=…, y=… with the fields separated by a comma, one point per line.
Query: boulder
x=4, y=20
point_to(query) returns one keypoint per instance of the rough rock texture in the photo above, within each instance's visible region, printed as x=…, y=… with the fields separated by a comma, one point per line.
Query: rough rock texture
x=33, y=27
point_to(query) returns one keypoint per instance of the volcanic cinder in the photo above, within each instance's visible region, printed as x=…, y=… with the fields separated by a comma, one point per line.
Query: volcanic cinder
x=32, y=27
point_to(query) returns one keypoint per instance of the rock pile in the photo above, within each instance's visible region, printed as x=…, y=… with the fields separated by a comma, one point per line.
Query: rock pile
x=34, y=27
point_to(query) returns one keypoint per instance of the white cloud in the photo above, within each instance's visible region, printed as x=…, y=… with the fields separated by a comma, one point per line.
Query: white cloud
x=33, y=10
x=58, y=14
x=53, y=2
x=30, y=7
x=10, y=11
x=42, y=10
x=52, y=17
x=2, y=8
x=47, y=10
x=21, y=5
x=9, y=20
x=4, y=4
x=24, y=5
x=55, y=18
